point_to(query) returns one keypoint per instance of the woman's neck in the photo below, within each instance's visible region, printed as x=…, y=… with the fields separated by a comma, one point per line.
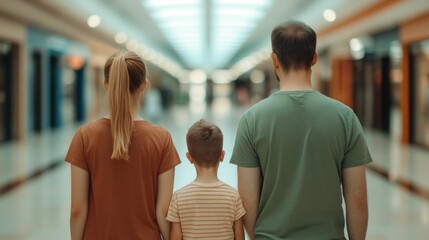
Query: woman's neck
x=136, y=117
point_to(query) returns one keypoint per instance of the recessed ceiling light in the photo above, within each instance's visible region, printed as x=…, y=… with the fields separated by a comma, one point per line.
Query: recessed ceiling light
x=257, y=76
x=357, y=48
x=94, y=21
x=198, y=76
x=132, y=45
x=356, y=44
x=121, y=37
x=329, y=15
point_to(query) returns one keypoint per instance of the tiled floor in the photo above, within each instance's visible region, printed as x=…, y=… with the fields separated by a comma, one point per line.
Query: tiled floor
x=39, y=209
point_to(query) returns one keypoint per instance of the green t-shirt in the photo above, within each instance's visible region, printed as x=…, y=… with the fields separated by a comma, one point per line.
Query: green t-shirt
x=301, y=140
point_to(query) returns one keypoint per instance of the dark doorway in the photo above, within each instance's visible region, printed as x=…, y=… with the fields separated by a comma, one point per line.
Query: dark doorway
x=383, y=95
x=55, y=94
x=79, y=95
x=6, y=68
x=419, y=93
x=37, y=91
x=363, y=79
x=73, y=94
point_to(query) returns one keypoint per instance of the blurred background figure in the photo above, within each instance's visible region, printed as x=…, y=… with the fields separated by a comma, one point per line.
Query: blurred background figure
x=152, y=108
x=153, y=105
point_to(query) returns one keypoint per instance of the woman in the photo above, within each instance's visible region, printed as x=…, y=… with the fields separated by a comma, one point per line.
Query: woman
x=122, y=166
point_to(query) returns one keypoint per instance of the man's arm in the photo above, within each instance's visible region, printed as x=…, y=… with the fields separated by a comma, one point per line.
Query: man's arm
x=249, y=187
x=175, y=231
x=79, y=201
x=355, y=196
x=165, y=190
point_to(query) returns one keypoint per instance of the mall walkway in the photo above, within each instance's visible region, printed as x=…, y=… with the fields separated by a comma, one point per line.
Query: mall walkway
x=39, y=208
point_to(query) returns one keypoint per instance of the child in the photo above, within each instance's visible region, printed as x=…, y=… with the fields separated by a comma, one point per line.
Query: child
x=206, y=208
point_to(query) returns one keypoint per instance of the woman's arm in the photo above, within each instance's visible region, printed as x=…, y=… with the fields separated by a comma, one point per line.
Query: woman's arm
x=175, y=231
x=165, y=190
x=238, y=229
x=79, y=201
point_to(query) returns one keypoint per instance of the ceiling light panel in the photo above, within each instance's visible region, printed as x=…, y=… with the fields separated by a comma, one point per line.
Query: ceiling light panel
x=256, y=3
x=182, y=23
x=233, y=21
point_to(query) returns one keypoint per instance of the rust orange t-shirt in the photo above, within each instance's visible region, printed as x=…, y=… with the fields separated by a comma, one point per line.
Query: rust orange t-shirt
x=122, y=194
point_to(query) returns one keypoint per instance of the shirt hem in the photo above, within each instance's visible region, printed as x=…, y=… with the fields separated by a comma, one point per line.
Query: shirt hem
x=356, y=164
x=76, y=163
x=247, y=165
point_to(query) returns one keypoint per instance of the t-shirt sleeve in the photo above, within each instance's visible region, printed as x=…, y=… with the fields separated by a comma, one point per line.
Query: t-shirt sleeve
x=76, y=153
x=170, y=157
x=239, y=209
x=173, y=212
x=244, y=154
x=357, y=152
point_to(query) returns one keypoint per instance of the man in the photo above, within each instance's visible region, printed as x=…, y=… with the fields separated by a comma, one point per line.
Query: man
x=296, y=149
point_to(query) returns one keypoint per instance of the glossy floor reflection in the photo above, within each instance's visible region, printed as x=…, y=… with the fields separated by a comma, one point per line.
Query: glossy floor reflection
x=39, y=209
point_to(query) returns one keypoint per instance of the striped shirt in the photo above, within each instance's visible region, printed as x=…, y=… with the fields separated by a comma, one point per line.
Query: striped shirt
x=206, y=210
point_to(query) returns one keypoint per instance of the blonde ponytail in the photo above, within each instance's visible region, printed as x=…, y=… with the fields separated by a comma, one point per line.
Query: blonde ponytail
x=124, y=72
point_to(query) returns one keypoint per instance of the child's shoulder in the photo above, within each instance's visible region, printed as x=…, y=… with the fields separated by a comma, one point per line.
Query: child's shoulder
x=188, y=188
x=196, y=186
x=228, y=188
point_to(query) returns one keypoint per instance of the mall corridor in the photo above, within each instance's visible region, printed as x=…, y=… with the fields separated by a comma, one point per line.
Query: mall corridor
x=209, y=59
x=39, y=208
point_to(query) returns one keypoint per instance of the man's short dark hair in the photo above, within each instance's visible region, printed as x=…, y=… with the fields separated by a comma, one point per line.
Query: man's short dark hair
x=294, y=43
x=205, y=143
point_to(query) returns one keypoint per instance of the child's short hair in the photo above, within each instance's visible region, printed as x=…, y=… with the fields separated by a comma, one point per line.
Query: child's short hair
x=205, y=142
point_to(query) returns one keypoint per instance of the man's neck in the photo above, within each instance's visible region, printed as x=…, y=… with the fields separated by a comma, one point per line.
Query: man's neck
x=296, y=81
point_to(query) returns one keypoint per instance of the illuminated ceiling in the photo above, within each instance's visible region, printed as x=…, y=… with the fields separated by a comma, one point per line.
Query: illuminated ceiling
x=234, y=35
x=206, y=34
x=215, y=34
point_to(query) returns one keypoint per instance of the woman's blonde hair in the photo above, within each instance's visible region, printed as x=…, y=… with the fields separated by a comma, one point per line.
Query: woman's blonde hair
x=124, y=72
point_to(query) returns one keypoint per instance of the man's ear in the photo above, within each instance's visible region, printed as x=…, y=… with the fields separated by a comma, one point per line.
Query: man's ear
x=275, y=61
x=188, y=155
x=315, y=58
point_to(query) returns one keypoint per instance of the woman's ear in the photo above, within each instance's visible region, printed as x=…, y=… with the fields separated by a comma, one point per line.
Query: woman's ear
x=106, y=86
x=143, y=86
